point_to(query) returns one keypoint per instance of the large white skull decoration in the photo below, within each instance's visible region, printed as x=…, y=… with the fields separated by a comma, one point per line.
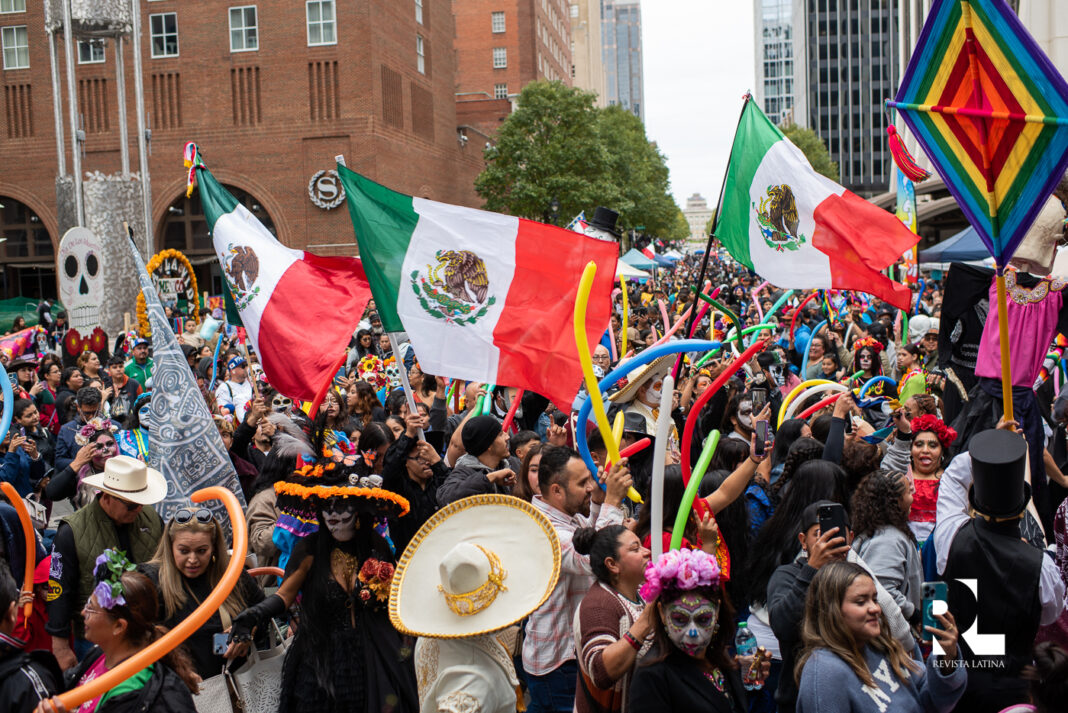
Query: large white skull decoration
x=81, y=278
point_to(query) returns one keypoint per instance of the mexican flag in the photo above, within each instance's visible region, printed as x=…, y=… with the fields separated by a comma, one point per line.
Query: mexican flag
x=483, y=296
x=299, y=309
x=798, y=229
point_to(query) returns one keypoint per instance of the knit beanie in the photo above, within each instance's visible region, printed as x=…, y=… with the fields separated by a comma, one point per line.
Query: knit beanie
x=479, y=433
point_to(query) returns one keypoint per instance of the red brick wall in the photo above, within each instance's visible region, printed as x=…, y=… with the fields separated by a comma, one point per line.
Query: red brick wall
x=291, y=122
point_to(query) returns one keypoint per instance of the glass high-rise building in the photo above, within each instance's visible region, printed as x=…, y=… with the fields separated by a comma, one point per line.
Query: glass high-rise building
x=775, y=59
x=621, y=44
x=850, y=67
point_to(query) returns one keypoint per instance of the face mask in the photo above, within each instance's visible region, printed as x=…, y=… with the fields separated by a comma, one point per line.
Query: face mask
x=690, y=622
x=745, y=414
x=340, y=520
x=281, y=404
x=653, y=394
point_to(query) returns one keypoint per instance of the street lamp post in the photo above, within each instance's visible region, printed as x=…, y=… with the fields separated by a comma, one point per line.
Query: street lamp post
x=554, y=210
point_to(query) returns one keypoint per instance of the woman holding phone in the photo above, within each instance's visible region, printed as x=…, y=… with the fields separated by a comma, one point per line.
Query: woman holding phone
x=850, y=662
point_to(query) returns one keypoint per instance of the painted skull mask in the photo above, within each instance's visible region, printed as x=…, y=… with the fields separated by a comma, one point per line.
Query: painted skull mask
x=690, y=621
x=339, y=517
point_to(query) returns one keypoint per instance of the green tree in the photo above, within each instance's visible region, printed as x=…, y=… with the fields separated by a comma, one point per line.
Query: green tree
x=681, y=229
x=558, y=145
x=547, y=148
x=814, y=148
x=639, y=173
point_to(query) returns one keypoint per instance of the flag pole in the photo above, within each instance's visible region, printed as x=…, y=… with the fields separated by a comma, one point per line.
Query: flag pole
x=1003, y=343
x=711, y=237
x=404, y=378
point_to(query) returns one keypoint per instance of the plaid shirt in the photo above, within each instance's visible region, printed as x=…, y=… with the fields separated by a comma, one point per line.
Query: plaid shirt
x=549, y=640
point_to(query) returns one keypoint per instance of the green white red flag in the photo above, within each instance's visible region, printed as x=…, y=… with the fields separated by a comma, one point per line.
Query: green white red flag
x=799, y=229
x=483, y=296
x=299, y=309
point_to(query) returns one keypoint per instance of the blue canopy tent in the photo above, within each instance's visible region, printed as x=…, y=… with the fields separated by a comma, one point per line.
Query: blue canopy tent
x=664, y=261
x=635, y=258
x=965, y=246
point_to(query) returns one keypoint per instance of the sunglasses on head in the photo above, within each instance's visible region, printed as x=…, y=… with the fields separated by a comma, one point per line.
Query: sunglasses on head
x=202, y=516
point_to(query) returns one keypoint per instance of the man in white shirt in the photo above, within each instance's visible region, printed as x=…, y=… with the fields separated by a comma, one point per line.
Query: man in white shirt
x=570, y=499
x=235, y=394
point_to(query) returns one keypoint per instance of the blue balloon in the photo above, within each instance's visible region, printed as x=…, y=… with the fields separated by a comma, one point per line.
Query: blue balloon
x=622, y=369
x=9, y=403
x=804, y=361
x=868, y=403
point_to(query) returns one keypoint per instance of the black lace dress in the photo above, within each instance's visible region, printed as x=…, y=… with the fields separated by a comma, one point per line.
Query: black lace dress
x=346, y=655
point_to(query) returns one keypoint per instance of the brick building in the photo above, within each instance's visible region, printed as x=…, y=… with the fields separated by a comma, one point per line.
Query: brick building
x=270, y=90
x=501, y=45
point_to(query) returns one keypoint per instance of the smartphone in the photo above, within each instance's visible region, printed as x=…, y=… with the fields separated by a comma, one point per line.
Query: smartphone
x=13, y=377
x=22, y=431
x=219, y=643
x=932, y=592
x=758, y=397
x=832, y=516
x=763, y=434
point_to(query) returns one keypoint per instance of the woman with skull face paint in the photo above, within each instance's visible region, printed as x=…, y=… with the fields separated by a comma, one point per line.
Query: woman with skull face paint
x=346, y=655
x=689, y=667
x=97, y=445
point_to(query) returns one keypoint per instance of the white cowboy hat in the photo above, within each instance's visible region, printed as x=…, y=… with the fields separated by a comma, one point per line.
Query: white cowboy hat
x=478, y=565
x=129, y=479
x=658, y=369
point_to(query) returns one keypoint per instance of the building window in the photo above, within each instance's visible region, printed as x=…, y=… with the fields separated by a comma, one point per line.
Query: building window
x=164, y=32
x=243, y=34
x=7, y=6
x=500, y=91
x=500, y=56
x=420, y=57
x=16, y=44
x=90, y=51
x=419, y=11
x=322, y=27
x=498, y=21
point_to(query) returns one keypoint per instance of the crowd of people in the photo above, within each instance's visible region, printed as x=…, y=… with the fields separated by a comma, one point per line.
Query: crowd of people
x=900, y=548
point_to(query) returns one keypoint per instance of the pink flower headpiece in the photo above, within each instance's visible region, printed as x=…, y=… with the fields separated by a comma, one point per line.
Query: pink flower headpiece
x=92, y=426
x=679, y=570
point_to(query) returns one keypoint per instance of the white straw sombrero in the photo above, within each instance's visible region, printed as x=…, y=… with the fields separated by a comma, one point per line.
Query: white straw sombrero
x=476, y=566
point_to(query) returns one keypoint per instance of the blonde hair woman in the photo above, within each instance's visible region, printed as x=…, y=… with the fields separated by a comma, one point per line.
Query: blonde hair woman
x=188, y=563
x=851, y=662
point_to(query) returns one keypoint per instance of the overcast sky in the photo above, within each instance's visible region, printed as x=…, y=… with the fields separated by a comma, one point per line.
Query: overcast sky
x=698, y=62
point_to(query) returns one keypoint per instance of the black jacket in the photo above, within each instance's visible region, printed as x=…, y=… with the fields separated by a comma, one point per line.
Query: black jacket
x=164, y=692
x=468, y=477
x=422, y=501
x=26, y=678
x=786, y=609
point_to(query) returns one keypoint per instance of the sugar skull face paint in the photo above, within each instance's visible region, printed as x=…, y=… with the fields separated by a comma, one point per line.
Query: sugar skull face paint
x=690, y=621
x=864, y=359
x=652, y=395
x=745, y=414
x=339, y=517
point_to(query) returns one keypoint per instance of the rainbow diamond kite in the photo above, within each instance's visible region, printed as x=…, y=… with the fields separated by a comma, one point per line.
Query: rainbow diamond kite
x=991, y=112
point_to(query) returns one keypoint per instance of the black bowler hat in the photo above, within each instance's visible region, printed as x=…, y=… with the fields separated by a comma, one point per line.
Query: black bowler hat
x=998, y=487
x=605, y=219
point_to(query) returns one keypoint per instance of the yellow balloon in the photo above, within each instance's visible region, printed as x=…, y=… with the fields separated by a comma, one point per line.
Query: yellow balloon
x=796, y=391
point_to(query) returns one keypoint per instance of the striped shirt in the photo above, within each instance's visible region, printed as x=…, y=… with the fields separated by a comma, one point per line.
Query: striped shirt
x=549, y=640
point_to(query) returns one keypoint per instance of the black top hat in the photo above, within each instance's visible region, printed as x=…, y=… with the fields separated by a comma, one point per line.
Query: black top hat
x=998, y=487
x=605, y=219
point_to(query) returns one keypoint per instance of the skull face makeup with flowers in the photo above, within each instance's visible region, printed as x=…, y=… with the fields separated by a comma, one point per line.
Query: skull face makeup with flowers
x=339, y=516
x=690, y=621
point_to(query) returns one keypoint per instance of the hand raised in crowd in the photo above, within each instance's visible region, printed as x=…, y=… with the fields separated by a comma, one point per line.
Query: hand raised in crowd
x=15, y=443
x=267, y=428
x=1007, y=425
x=258, y=410
x=442, y=386
x=901, y=421
x=426, y=453
x=30, y=446
x=947, y=635
x=83, y=457
x=830, y=546
x=708, y=531
x=557, y=435
x=415, y=422
x=617, y=481
x=504, y=476
x=844, y=405
x=38, y=386
x=105, y=394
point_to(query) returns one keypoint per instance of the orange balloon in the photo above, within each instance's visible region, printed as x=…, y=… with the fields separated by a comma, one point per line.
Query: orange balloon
x=28, y=535
x=162, y=646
